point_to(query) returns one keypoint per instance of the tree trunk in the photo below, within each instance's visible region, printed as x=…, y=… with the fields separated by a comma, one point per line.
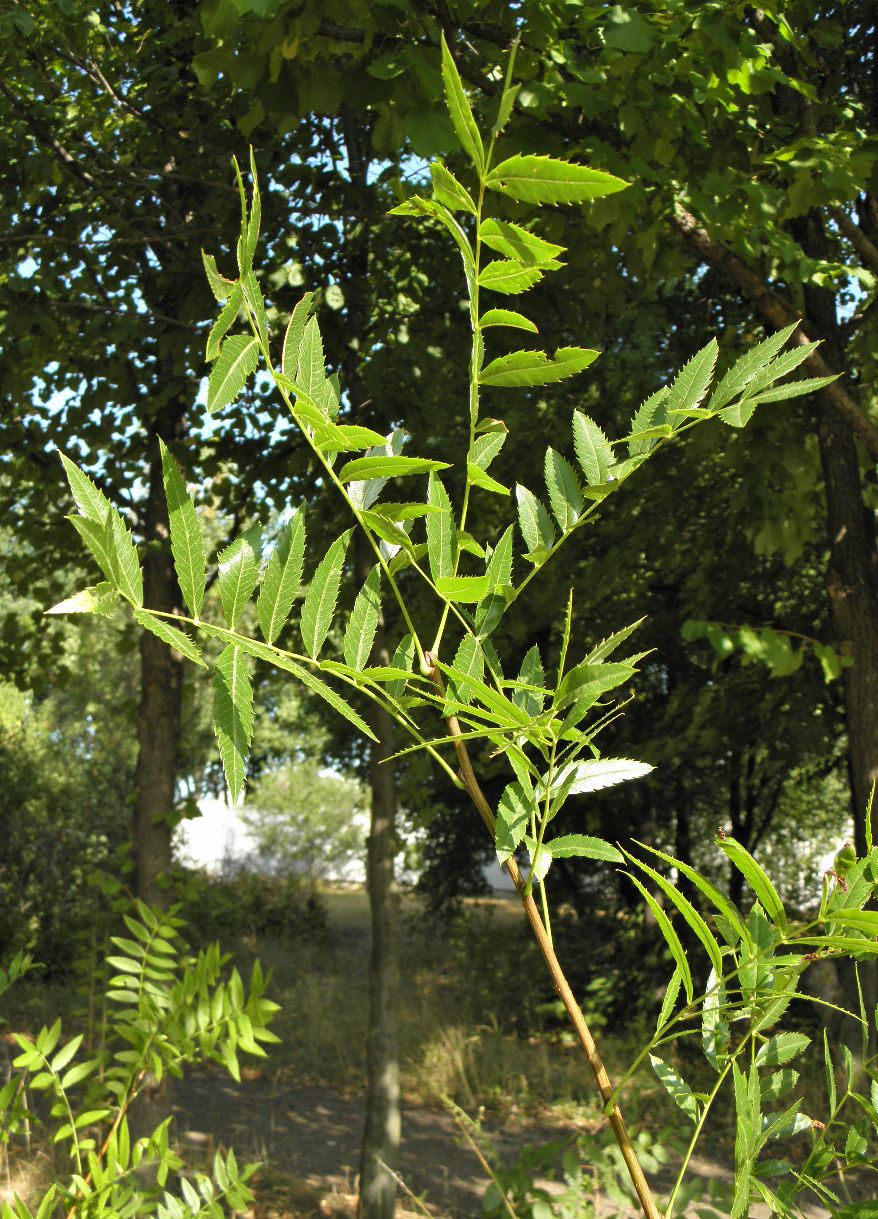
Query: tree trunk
x=852, y=574
x=158, y=715
x=382, y=1130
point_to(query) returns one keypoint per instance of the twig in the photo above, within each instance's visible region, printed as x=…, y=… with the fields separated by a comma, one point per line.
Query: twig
x=559, y=980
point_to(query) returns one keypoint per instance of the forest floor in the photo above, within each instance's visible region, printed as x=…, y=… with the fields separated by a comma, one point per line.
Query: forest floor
x=301, y=1115
x=480, y=1047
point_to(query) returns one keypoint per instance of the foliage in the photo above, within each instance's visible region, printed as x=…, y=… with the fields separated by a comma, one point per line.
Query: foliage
x=65, y=788
x=307, y=821
x=544, y=725
x=165, y=1010
x=247, y=904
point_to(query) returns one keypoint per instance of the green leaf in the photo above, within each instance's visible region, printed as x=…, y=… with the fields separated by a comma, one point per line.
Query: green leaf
x=486, y=448
x=781, y=1049
x=529, y=693
x=448, y=191
x=219, y=285
x=322, y=596
x=283, y=578
x=514, y=812
x=459, y=111
x=124, y=566
x=718, y=900
x=282, y=660
x=583, y=846
x=238, y=572
x=91, y=502
x=739, y=414
x=255, y=212
x=187, y=540
x=294, y=334
x=676, y=1087
x=255, y=304
x=512, y=241
x=535, y=524
x=596, y=774
x=237, y=361
x=223, y=323
x=95, y=537
x=506, y=317
x=345, y=437
x=593, y=451
x=859, y=920
x=756, y=878
x=669, y=1000
x=508, y=277
x=170, y=635
x=696, y=923
x=440, y=531
x=795, y=389
x=469, y=660
x=671, y=938
x=714, y=1028
x=565, y=494
x=64, y=1055
x=744, y=370
x=499, y=574
x=536, y=179
x=692, y=382
x=363, y=623
x=462, y=588
x=233, y=716
x=388, y=467
x=584, y=685
x=521, y=368
x=649, y=423
x=403, y=658
x=478, y=478
x=312, y=369
x=100, y=599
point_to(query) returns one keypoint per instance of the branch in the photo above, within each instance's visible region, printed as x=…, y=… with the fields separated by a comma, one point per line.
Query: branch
x=559, y=980
x=778, y=312
x=855, y=235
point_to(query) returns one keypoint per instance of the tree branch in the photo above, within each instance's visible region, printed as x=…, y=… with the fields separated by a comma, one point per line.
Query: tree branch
x=778, y=312
x=855, y=235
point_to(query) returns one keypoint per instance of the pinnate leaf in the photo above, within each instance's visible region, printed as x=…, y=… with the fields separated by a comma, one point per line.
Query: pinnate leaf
x=507, y=317
x=593, y=451
x=459, y=110
x=90, y=501
x=509, y=277
x=187, y=540
x=521, y=368
x=238, y=572
x=322, y=596
x=294, y=334
x=363, y=623
x=448, y=191
x=283, y=578
x=363, y=468
x=512, y=241
x=535, y=524
x=124, y=565
x=537, y=179
x=237, y=361
x=440, y=531
x=565, y=494
x=233, y=716
x=170, y=635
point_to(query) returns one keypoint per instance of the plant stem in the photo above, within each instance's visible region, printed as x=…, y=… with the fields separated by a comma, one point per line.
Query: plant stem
x=559, y=980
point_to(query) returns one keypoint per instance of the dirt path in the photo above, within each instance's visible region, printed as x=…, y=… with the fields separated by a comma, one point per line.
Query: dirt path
x=312, y=1135
x=308, y=1139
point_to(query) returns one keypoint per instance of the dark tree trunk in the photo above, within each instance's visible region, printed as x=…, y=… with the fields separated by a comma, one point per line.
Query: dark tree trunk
x=852, y=574
x=158, y=715
x=382, y=1130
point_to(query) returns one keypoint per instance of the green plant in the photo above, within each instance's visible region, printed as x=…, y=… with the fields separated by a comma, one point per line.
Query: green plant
x=166, y=1009
x=545, y=726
